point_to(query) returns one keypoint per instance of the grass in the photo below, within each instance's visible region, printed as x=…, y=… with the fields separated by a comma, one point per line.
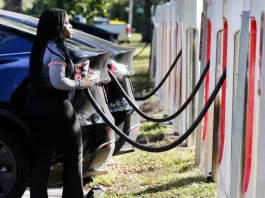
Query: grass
x=148, y=126
x=156, y=175
x=170, y=174
x=152, y=132
x=141, y=62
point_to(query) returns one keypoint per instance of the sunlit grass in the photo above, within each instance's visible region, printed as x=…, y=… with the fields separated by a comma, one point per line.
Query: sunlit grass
x=158, y=175
x=140, y=80
x=153, y=132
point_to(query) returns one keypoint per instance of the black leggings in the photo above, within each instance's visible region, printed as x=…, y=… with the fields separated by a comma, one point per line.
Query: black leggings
x=52, y=120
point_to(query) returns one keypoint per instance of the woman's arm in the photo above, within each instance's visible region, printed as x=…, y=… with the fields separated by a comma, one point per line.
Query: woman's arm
x=60, y=81
x=57, y=75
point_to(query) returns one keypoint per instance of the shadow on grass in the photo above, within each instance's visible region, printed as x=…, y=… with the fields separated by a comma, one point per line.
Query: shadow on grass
x=137, y=44
x=173, y=184
x=140, y=84
x=138, y=75
x=186, y=168
x=142, y=58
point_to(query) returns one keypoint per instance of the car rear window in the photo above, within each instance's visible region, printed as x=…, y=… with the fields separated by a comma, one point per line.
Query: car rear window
x=18, y=26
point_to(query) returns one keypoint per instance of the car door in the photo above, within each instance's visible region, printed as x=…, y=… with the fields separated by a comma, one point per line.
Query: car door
x=14, y=62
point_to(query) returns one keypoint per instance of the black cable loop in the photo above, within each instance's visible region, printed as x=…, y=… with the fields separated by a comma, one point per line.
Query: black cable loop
x=165, y=119
x=173, y=144
x=163, y=80
x=142, y=50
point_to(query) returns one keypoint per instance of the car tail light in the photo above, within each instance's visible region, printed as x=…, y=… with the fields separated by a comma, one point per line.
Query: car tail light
x=119, y=70
x=112, y=68
x=128, y=30
x=106, y=146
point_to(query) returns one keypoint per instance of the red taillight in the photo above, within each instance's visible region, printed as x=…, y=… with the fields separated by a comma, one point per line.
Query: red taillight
x=106, y=146
x=112, y=68
x=128, y=30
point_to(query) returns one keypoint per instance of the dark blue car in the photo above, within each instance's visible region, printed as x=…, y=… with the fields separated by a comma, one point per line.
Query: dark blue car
x=100, y=143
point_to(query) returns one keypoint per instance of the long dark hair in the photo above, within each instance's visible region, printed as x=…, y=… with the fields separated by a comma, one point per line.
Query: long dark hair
x=50, y=27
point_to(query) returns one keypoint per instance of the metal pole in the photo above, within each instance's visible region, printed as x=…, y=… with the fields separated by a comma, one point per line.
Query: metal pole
x=130, y=12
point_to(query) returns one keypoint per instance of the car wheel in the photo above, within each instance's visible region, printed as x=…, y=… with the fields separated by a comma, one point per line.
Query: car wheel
x=14, y=165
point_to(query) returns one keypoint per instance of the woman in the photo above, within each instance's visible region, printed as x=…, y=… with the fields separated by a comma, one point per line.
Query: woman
x=48, y=110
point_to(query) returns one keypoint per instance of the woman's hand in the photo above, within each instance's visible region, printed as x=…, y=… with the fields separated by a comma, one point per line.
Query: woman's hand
x=78, y=67
x=87, y=82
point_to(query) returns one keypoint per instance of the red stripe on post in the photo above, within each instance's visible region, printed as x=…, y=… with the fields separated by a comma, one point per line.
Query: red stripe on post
x=206, y=96
x=250, y=103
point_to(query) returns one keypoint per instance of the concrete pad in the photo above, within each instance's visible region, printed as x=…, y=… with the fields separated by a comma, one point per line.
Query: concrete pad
x=53, y=193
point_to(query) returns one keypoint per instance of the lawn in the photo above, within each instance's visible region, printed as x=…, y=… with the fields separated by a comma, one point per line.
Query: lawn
x=153, y=175
x=141, y=64
x=156, y=175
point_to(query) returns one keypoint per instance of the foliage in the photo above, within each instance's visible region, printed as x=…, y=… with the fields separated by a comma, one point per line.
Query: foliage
x=152, y=132
x=147, y=126
x=113, y=9
x=89, y=8
x=92, y=8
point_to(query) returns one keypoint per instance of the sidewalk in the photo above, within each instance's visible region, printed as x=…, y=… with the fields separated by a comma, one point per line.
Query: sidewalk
x=53, y=193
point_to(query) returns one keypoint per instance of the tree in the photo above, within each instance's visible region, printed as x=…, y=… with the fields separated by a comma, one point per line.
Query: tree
x=13, y=5
x=89, y=8
x=147, y=28
x=40, y=5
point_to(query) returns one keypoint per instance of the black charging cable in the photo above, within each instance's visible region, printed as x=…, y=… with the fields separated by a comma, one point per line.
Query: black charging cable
x=173, y=144
x=162, y=81
x=165, y=119
x=141, y=50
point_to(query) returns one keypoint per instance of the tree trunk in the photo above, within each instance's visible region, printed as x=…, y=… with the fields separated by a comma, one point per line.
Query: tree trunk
x=147, y=24
x=13, y=5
